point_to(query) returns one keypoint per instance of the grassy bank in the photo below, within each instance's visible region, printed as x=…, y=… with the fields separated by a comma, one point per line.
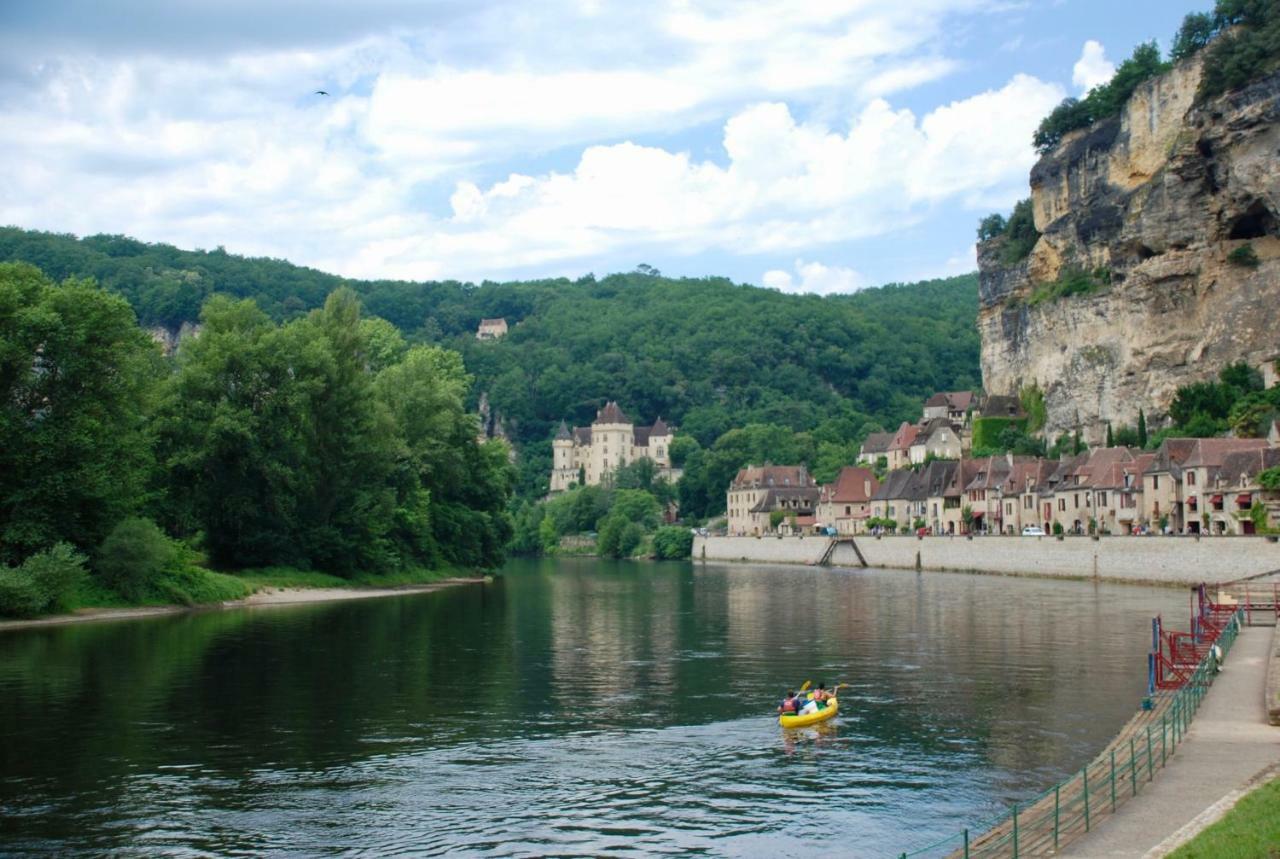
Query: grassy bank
x=200, y=586
x=1251, y=829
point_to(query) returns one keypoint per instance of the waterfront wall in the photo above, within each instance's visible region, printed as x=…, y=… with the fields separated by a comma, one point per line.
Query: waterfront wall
x=1161, y=560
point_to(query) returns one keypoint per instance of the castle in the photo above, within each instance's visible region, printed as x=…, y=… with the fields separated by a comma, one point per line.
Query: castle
x=587, y=455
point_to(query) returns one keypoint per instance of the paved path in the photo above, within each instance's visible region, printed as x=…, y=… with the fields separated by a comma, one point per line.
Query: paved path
x=1229, y=743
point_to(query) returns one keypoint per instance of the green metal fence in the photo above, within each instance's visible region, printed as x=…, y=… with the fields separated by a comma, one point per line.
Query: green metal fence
x=1040, y=825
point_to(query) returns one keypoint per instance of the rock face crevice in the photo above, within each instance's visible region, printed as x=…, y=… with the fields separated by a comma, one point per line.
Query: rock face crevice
x=1155, y=200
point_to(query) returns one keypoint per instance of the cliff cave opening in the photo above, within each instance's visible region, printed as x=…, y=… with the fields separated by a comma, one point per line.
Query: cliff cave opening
x=1256, y=222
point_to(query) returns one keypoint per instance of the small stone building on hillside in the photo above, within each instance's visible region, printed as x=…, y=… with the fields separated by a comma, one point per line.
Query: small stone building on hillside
x=492, y=329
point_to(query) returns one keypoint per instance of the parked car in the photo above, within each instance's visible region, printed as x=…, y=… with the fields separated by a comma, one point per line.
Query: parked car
x=1033, y=531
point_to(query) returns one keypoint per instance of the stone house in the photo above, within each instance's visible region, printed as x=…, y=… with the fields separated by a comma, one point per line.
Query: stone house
x=876, y=446
x=492, y=329
x=894, y=497
x=1117, y=495
x=1020, y=495
x=938, y=437
x=1162, y=497
x=1203, y=506
x=999, y=406
x=612, y=441
x=846, y=504
x=899, y=449
x=952, y=406
x=756, y=492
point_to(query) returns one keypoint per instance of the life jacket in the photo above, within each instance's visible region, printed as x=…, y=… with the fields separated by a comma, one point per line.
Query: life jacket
x=789, y=705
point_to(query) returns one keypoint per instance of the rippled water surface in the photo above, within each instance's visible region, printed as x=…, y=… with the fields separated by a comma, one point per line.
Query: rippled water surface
x=569, y=708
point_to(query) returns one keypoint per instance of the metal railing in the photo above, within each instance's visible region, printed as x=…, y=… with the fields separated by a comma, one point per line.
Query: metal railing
x=1042, y=824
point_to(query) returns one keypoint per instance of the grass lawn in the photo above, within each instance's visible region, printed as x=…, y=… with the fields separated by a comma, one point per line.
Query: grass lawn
x=1251, y=829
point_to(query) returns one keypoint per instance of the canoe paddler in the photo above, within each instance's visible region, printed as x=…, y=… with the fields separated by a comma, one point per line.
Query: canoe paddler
x=791, y=704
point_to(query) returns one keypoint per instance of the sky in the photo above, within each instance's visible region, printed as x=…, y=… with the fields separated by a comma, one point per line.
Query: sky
x=799, y=145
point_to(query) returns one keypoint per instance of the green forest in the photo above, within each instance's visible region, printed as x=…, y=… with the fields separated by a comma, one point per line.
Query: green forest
x=324, y=443
x=705, y=354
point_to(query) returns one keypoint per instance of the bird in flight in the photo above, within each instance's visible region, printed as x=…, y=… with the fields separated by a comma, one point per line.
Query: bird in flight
x=321, y=92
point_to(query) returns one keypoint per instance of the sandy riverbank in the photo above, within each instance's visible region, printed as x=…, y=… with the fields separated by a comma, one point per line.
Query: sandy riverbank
x=266, y=597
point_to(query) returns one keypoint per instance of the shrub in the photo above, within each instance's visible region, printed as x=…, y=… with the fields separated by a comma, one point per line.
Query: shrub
x=1021, y=233
x=134, y=557
x=43, y=583
x=1072, y=280
x=672, y=543
x=1270, y=479
x=630, y=539
x=1244, y=256
x=1057, y=529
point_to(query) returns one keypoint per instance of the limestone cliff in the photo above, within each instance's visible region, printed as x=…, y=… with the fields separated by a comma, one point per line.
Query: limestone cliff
x=1154, y=200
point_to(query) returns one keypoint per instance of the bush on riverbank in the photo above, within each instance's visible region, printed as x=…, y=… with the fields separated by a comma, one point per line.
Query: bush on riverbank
x=672, y=543
x=45, y=582
x=141, y=564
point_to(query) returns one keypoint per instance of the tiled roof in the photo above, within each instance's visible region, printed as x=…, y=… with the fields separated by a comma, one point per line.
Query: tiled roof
x=1171, y=454
x=582, y=435
x=1244, y=464
x=904, y=437
x=850, y=486
x=563, y=433
x=659, y=427
x=611, y=414
x=877, y=442
x=997, y=406
x=772, y=475
x=807, y=495
x=641, y=436
x=1209, y=452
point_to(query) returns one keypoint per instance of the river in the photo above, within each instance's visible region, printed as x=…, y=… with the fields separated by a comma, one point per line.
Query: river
x=573, y=707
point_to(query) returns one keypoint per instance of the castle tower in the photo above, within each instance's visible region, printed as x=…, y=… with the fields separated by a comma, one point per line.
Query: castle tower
x=612, y=439
x=563, y=471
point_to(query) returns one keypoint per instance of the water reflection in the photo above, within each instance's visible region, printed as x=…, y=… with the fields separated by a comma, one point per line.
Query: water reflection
x=570, y=708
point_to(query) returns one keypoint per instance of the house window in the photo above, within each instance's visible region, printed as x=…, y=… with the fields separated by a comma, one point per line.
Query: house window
x=1102, y=499
x=1076, y=497
x=1191, y=478
x=1026, y=502
x=1062, y=505
x=1155, y=481
x=848, y=510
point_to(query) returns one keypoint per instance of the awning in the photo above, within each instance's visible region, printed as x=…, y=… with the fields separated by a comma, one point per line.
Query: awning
x=1245, y=500
x=978, y=514
x=1217, y=499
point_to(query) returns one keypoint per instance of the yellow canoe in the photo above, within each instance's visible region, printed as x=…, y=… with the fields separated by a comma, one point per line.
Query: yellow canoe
x=813, y=718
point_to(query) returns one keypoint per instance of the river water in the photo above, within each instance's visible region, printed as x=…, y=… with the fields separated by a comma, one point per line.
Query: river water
x=568, y=708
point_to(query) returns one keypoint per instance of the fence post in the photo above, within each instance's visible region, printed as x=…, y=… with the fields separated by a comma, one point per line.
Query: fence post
x=1015, y=830
x=1056, y=788
x=1133, y=767
x=966, y=844
x=1113, y=781
x=1085, y=772
x=1150, y=763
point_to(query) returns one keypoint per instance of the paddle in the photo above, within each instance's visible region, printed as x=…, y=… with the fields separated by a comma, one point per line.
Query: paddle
x=805, y=687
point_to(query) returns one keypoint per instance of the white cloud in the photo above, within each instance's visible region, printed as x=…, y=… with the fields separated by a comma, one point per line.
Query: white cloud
x=1092, y=68
x=814, y=277
x=236, y=151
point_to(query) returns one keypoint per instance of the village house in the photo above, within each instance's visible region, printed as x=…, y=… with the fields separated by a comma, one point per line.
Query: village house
x=1117, y=495
x=492, y=329
x=1020, y=495
x=1232, y=489
x=939, y=439
x=876, y=446
x=999, y=406
x=899, y=449
x=1208, y=506
x=756, y=492
x=845, y=505
x=951, y=406
x=1162, y=499
x=589, y=455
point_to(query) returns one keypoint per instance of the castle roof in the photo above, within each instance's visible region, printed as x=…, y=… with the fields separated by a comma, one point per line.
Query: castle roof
x=611, y=414
x=582, y=435
x=659, y=427
x=563, y=434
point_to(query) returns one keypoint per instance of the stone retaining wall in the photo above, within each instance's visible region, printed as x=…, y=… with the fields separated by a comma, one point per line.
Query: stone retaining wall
x=1161, y=560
